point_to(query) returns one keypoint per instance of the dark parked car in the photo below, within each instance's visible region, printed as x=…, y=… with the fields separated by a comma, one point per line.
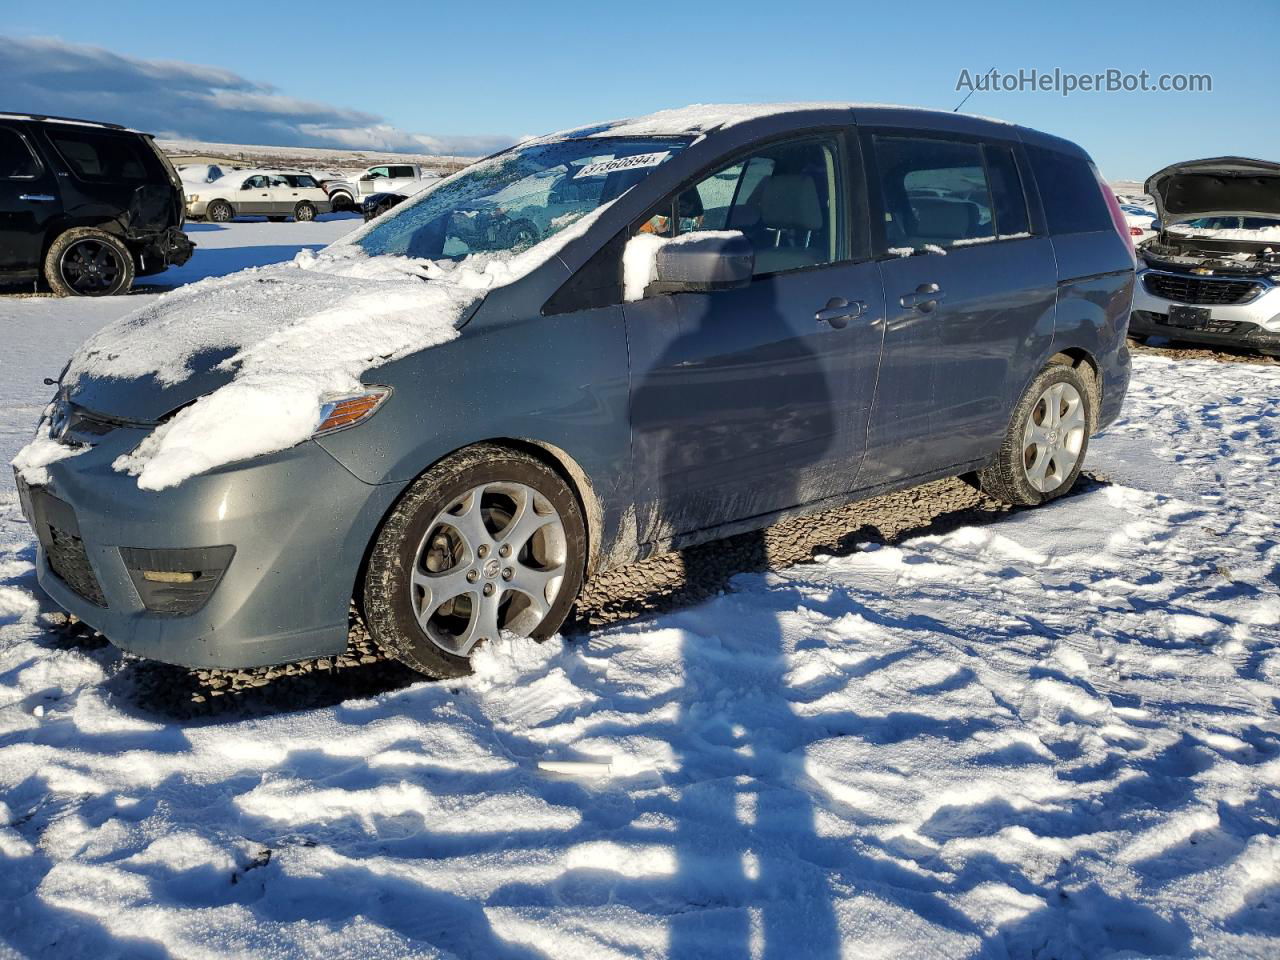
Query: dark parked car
x=755, y=312
x=376, y=204
x=85, y=206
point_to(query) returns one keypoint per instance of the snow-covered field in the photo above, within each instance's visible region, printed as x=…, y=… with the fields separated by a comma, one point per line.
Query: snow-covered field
x=1051, y=736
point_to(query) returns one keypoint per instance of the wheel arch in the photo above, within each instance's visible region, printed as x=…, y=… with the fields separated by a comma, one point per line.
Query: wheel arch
x=1083, y=361
x=555, y=457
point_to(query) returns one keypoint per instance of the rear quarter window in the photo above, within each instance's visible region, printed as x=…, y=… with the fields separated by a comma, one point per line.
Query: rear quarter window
x=102, y=156
x=16, y=160
x=1069, y=191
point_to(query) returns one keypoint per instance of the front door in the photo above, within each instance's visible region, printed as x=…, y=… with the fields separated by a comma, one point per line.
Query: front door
x=744, y=402
x=29, y=200
x=255, y=198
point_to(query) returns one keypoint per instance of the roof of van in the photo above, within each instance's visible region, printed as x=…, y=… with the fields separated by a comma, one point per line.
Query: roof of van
x=701, y=119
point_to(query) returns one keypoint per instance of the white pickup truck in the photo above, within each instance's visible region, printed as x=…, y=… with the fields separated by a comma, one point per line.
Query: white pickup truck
x=380, y=178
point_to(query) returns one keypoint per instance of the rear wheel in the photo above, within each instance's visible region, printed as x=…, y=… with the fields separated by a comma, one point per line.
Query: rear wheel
x=219, y=211
x=304, y=211
x=488, y=540
x=87, y=262
x=1048, y=437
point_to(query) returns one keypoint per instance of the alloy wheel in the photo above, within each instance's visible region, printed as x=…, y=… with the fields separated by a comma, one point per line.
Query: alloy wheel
x=493, y=560
x=91, y=266
x=1053, y=437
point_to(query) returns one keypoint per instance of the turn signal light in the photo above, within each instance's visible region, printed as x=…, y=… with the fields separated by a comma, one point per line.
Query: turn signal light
x=338, y=413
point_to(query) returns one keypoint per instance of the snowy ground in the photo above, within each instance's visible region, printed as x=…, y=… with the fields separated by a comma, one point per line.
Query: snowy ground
x=1054, y=735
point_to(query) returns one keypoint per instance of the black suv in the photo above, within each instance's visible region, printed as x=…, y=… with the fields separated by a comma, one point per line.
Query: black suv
x=87, y=206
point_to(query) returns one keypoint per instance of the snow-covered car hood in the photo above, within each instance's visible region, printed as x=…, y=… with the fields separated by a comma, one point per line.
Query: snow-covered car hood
x=1221, y=186
x=318, y=311
x=249, y=360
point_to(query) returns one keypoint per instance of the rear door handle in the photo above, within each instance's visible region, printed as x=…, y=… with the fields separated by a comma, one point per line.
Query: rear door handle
x=924, y=299
x=37, y=197
x=839, y=311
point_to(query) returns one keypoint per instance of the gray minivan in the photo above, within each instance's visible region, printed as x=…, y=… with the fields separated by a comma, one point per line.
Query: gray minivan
x=756, y=311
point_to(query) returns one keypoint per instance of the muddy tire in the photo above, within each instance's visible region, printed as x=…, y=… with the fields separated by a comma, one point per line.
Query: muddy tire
x=304, y=211
x=1047, y=440
x=488, y=540
x=219, y=212
x=87, y=262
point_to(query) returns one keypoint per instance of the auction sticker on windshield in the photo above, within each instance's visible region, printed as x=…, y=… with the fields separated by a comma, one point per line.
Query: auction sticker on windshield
x=604, y=167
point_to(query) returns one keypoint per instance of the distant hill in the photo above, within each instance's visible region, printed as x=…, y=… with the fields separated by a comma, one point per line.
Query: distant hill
x=317, y=159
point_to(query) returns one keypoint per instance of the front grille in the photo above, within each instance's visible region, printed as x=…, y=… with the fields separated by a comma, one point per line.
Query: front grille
x=1202, y=290
x=67, y=558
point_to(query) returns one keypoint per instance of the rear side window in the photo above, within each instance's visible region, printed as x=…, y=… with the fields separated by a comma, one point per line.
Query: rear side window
x=94, y=155
x=16, y=159
x=1069, y=191
x=1008, y=198
x=301, y=180
x=935, y=192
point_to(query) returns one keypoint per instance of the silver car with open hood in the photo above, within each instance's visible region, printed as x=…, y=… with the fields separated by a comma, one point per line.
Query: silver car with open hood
x=1212, y=274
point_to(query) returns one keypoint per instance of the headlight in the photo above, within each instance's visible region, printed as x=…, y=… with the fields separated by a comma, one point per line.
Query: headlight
x=340, y=412
x=193, y=198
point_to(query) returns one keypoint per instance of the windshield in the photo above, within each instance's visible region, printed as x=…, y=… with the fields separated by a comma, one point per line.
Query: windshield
x=516, y=199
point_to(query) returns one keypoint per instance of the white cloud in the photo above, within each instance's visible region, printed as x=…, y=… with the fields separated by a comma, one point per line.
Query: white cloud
x=192, y=101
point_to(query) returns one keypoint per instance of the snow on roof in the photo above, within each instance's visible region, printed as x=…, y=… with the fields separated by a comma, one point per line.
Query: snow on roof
x=701, y=118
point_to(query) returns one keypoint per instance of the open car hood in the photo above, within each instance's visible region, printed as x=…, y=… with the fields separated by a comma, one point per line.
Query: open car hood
x=1221, y=186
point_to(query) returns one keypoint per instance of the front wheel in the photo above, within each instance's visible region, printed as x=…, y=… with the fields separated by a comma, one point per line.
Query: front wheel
x=219, y=212
x=87, y=262
x=486, y=541
x=1048, y=437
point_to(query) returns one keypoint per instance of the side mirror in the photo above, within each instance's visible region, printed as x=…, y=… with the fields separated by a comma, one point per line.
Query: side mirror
x=703, y=261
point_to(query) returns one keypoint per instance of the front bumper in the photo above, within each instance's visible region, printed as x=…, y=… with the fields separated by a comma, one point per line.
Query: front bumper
x=1254, y=324
x=299, y=523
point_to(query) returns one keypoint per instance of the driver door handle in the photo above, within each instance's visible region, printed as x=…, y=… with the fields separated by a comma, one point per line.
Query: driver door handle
x=924, y=299
x=839, y=311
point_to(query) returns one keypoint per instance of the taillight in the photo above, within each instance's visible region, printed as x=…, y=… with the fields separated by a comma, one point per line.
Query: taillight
x=1117, y=215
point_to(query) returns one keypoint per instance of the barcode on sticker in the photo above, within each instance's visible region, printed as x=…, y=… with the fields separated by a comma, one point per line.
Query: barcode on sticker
x=603, y=168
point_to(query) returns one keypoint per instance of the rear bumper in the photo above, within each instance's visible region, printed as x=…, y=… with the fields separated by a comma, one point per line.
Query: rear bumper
x=299, y=523
x=172, y=248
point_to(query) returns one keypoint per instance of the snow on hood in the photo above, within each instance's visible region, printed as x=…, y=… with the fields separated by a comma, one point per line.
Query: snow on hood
x=261, y=350
x=1221, y=186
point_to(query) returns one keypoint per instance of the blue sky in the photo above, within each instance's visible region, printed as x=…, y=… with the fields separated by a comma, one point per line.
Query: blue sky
x=470, y=75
